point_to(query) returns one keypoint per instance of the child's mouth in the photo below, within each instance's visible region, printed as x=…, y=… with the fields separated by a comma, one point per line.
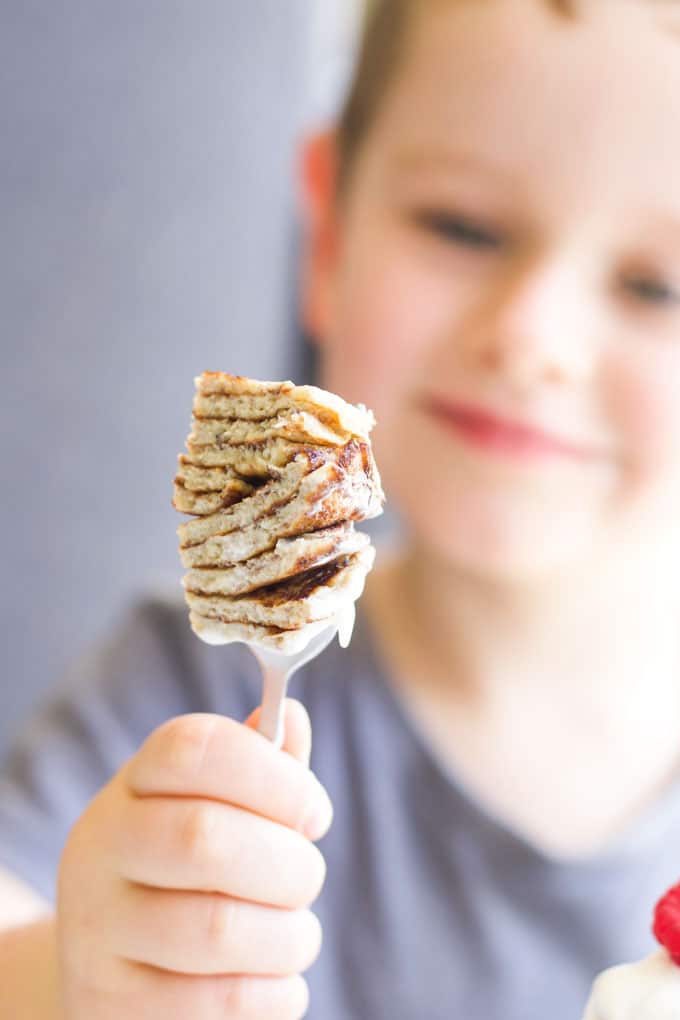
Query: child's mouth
x=484, y=429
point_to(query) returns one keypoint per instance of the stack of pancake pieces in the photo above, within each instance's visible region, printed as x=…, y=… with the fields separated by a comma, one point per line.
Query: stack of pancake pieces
x=276, y=476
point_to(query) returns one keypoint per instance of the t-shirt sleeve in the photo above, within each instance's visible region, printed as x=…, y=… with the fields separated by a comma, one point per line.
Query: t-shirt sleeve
x=150, y=669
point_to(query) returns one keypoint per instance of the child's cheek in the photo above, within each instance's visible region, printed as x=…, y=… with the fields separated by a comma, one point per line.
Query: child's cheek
x=389, y=316
x=643, y=401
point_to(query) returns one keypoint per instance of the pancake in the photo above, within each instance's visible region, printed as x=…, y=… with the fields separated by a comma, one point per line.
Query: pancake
x=303, y=476
x=205, y=503
x=214, y=632
x=275, y=475
x=309, y=597
x=206, y=479
x=297, y=427
x=304, y=497
x=251, y=460
x=289, y=556
x=219, y=395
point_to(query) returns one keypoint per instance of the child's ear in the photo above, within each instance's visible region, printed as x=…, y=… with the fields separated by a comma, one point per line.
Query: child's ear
x=320, y=244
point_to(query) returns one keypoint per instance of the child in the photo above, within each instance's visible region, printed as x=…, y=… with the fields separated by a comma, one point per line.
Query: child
x=493, y=265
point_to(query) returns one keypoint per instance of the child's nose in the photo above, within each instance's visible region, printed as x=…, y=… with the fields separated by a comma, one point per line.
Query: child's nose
x=536, y=326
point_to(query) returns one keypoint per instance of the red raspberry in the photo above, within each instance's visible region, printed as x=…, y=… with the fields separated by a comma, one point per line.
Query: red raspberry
x=667, y=923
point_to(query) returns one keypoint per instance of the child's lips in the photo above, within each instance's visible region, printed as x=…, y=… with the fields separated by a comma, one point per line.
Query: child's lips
x=490, y=431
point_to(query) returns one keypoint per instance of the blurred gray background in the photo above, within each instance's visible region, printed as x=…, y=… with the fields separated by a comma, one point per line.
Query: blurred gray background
x=148, y=225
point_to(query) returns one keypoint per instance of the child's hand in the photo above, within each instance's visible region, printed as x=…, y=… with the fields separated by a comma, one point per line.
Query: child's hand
x=184, y=887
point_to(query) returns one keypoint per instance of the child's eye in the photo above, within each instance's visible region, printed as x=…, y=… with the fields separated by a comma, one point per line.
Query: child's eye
x=653, y=291
x=460, y=230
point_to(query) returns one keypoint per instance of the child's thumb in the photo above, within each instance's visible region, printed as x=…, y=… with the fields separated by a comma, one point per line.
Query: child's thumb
x=297, y=738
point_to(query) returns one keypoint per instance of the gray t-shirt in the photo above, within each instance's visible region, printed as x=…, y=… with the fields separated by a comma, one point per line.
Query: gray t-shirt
x=432, y=910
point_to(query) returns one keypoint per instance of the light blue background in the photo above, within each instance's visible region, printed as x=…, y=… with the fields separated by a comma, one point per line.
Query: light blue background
x=147, y=224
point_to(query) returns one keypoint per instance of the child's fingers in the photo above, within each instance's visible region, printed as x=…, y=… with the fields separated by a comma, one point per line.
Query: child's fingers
x=202, y=845
x=217, y=758
x=175, y=996
x=297, y=739
x=207, y=934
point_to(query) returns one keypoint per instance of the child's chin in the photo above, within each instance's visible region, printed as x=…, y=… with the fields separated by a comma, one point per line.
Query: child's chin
x=508, y=544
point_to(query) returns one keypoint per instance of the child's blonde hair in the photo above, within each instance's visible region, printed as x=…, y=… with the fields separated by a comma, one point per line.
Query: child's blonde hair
x=385, y=31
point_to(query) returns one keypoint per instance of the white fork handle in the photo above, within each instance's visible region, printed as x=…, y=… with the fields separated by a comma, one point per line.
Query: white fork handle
x=274, y=690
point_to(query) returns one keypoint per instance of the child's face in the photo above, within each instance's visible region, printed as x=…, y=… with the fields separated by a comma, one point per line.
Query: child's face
x=510, y=244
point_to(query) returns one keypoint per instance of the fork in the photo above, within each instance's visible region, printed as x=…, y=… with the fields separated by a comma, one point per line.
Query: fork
x=277, y=669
